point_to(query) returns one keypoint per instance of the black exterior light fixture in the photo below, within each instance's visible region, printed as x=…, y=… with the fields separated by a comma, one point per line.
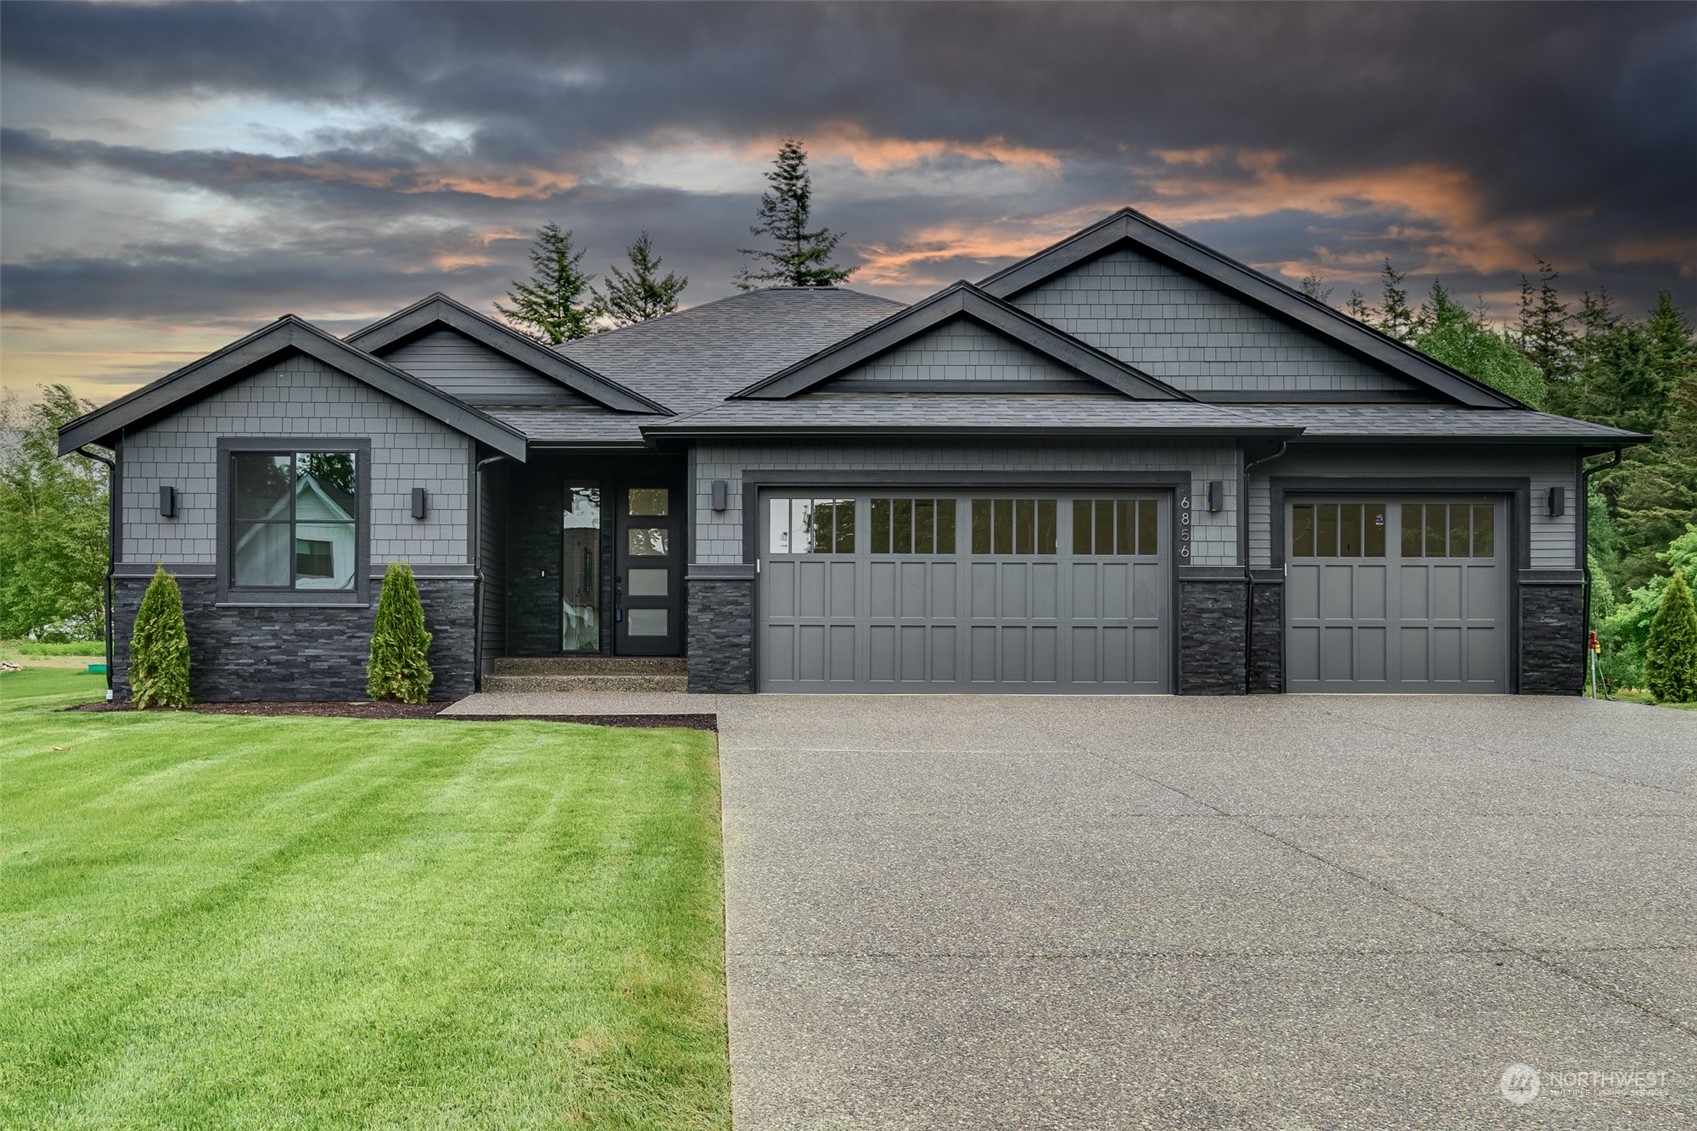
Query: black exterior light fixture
x=420, y=502
x=1558, y=501
x=167, y=502
x=721, y=494
x=1216, y=496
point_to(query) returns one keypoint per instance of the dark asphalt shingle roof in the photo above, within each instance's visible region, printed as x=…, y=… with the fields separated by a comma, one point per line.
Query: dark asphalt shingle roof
x=698, y=357
x=938, y=413
x=574, y=425
x=1339, y=422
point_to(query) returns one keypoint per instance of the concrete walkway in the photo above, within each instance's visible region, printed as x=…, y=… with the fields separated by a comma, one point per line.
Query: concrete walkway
x=1302, y=912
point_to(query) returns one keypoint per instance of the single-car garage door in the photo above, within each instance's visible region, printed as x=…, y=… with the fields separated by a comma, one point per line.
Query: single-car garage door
x=964, y=591
x=1399, y=595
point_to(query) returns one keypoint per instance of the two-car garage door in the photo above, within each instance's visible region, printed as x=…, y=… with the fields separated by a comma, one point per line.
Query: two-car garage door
x=964, y=591
x=1402, y=595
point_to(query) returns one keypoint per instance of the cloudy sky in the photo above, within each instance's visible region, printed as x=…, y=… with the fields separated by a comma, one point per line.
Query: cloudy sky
x=172, y=176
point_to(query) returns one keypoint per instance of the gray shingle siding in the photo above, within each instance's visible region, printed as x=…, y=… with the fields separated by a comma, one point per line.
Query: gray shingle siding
x=719, y=535
x=298, y=396
x=475, y=373
x=1190, y=335
x=1552, y=539
x=963, y=351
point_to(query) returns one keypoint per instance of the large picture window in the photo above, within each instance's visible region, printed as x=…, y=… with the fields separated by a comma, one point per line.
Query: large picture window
x=295, y=520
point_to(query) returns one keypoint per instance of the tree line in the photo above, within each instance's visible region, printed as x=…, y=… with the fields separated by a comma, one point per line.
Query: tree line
x=560, y=302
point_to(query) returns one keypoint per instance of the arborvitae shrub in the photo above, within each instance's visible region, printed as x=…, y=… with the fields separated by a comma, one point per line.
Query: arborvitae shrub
x=159, y=646
x=400, y=648
x=1670, y=656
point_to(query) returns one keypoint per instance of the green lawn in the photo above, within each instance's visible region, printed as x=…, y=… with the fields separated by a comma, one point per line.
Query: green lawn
x=226, y=921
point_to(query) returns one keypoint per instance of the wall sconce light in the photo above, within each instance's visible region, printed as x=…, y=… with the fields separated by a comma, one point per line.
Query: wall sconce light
x=167, y=502
x=1558, y=501
x=721, y=494
x=420, y=503
x=1216, y=496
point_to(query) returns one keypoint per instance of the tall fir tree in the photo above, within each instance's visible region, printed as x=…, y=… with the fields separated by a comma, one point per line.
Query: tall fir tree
x=642, y=292
x=803, y=255
x=557, y=304
x=1546, y=335
x=1396, y=317
x=1655, y=489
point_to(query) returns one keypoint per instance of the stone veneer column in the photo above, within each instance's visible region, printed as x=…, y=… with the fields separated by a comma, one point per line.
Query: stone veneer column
x=1267, y=632
x=1211, y=626
x=721, y=628
x=1552, y=632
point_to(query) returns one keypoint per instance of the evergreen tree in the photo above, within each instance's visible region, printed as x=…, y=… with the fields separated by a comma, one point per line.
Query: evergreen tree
x=803, y=256
x=1545, y=336
x=1455, y=337
x=1396, y=317
x=1626, y=633
x=1655, y=488
x=557, y=304
x=642, y=292
x=159, y=646
x=1314, y=286
x=399, y=667
x=1670, y=656
x=1358, y=309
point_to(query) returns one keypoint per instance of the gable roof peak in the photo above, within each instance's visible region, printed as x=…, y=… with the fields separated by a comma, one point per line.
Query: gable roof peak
x=1150, y=238
x=961, y=300
x=288, y=333
x=442, y=310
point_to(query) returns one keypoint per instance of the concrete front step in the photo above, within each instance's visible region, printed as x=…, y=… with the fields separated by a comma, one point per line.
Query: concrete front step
x=591, y=665
x=584, y=683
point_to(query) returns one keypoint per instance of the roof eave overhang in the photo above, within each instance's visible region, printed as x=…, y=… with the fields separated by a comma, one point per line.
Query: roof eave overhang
x=236, y=360
x=924, y=430
x=1599, y=444
x=439, y=309
x=1178, y=250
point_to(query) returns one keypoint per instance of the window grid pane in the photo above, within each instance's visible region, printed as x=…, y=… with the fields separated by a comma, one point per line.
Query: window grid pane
x=1001, y=533
x=1046, y=526
x=945, y=526
x=981, y=526
x=1484, y=530
x=1374, y=518
x=1148, y=527
x=1437, y=527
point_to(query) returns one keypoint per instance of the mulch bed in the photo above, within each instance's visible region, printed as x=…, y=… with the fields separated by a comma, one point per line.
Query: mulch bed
x=365, y=709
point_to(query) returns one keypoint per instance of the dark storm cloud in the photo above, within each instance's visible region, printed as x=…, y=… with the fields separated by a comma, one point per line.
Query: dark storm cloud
x=1572, y=126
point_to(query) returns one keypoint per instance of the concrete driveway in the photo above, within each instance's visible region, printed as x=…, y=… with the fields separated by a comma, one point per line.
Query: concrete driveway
x=1275, y=912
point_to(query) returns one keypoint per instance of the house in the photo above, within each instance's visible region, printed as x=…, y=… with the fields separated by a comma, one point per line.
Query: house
x=1124, y=464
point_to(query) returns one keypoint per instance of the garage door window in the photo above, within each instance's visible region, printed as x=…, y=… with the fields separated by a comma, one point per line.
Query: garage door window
x=1014, y=526
x=1102, y=527
x=1448, y=530
x=812, y=526
x=913, y=526
x=1339, y=530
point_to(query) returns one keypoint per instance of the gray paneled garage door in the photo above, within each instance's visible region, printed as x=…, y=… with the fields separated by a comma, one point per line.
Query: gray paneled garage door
x=964, y=591
x=1397, y=594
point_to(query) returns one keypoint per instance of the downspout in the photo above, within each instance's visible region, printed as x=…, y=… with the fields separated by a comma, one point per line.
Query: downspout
x=1249, y=574
x=476, y=510
x=111, y=551
x=1584, y=506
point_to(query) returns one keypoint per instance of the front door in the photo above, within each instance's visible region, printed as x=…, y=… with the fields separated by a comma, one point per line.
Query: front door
x=648, y=585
